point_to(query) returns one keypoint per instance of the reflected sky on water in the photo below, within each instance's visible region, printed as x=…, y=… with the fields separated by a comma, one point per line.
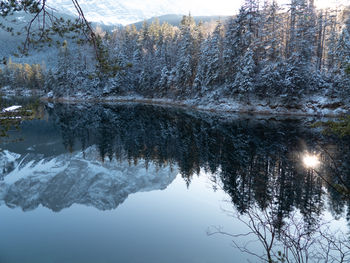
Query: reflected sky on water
x=133, y=183
x=157, y=226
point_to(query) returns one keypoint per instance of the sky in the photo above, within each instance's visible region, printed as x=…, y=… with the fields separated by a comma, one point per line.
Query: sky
x=228, y=7
x=131, y=11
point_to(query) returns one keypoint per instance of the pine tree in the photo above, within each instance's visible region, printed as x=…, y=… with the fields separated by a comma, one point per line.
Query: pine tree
x=271, y=35
x=232, y=48
x=343, y=58
x=200, y=82
x=63, y=73
x=244, y=81
x=186, y=64
x=210, y=70
x=343, y=46
x=331, y=42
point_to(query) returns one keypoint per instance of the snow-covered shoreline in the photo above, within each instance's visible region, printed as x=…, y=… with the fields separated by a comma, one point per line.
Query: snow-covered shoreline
x=9, y=91
x=313, y=106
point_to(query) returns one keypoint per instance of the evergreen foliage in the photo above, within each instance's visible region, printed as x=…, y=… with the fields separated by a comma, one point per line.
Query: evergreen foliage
x=264, y=52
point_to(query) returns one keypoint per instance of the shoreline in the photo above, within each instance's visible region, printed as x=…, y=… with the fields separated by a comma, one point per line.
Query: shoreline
x=309, y=110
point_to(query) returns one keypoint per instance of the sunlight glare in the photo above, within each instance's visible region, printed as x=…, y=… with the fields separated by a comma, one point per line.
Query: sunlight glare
x=311, y=161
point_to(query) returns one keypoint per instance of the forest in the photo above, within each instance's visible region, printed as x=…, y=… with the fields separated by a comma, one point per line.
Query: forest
x=264, y=53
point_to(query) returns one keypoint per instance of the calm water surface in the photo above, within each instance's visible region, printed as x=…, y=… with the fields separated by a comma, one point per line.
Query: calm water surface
x=133, y=183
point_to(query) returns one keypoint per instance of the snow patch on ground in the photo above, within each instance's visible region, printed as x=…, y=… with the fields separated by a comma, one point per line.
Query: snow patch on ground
x=12, y=108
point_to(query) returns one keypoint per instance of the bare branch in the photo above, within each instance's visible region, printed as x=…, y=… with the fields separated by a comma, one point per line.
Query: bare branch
x=293, y=242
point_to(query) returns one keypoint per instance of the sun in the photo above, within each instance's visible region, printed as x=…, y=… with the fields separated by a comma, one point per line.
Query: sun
x=311, y=161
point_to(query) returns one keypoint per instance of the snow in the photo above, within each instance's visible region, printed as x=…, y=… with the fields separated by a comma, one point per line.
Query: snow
x=220, y=69
x=306, y=106
x=80, y=178
x=12, y=108
x=26, y=170
x=7, y=156
x=130, y=11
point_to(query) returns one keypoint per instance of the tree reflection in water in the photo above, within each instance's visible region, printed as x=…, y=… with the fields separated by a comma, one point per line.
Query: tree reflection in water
x=29, y=109
x=258, y=162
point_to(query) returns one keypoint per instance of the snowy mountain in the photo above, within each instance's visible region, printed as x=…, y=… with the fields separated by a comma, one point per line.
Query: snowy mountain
x=10, y=44
x=131, y=11
x=78, y=178
x=175, y=20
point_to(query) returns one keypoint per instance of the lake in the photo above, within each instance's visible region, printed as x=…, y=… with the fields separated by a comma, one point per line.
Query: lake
x=140, y=183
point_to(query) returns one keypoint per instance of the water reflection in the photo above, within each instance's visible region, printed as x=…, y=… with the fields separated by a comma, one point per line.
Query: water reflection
x=80, y=178
x=256, y=161
x=11, y=115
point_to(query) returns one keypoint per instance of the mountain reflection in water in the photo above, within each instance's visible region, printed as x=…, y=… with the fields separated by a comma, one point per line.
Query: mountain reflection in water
x=98, y=155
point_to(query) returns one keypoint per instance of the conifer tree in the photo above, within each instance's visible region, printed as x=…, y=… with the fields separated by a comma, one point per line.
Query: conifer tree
x=186, y=64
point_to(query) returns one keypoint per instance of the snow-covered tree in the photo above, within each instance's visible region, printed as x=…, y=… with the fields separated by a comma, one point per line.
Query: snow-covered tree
x=186, y=64
x=244, y=81
x=210, y=66
x=343, y=46
x=263, y=51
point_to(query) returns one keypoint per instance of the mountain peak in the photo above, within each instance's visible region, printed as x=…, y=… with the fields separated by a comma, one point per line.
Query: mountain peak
x=130, y=11
x=118, y=12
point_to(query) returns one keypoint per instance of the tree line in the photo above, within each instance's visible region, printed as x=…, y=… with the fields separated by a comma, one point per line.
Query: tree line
x=20, y=75
x=265, y=51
